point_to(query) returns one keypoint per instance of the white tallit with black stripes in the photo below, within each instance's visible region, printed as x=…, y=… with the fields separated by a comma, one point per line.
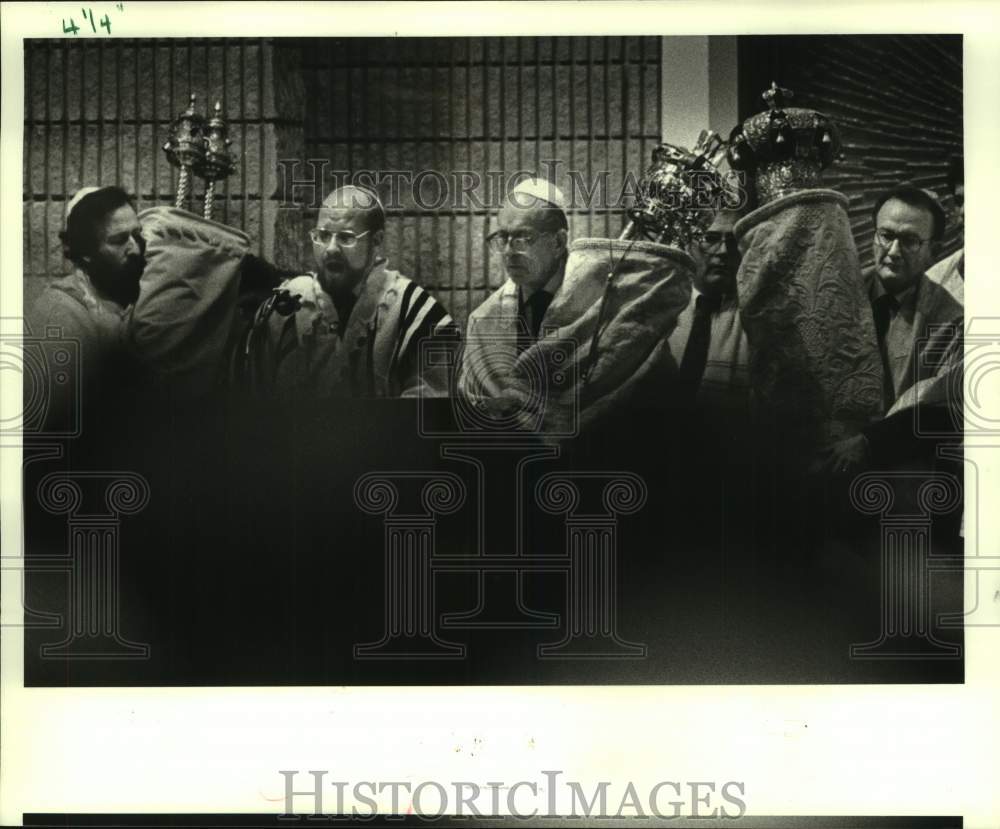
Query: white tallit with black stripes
x=298, y=344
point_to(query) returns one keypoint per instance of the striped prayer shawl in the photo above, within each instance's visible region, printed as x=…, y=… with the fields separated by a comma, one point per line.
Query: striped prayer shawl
x=297, y=343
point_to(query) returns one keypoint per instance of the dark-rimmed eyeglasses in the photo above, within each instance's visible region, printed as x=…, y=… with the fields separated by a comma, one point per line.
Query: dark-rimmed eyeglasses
x=519, y=241
x=345, y=238
x=908, y=242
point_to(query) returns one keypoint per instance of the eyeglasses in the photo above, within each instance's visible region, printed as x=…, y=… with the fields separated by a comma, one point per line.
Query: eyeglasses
x=714, y=238
x=519, y=242
x=908, y=242
x=345, y=238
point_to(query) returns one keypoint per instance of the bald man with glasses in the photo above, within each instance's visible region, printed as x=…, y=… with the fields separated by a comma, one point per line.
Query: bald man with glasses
x=353, y=327
x=531, y=243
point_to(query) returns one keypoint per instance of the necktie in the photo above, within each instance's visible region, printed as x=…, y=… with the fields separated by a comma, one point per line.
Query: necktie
x=696, y=352
x=882, y=310
x=532, y=313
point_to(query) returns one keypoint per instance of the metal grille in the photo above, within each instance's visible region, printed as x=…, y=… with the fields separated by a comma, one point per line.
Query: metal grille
x=897, y=100
x=486, y=106
x=97, y=113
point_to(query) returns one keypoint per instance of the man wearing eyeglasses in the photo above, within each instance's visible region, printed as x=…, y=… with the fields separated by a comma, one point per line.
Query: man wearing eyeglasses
x=918, y=325
x=531, y=242
x=354, y=327
x=709, y=342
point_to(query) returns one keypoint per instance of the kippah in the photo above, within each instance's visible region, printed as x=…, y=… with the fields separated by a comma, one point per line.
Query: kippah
x=79, y=196
x=542, y=189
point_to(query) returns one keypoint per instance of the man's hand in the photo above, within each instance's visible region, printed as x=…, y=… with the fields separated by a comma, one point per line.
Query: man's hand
x=846, y=457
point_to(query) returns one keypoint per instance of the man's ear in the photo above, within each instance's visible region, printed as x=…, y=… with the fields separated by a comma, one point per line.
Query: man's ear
x=561, y=238
x=378, y=237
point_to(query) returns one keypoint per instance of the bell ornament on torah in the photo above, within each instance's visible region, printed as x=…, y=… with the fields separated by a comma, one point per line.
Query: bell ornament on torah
x=783, y=149
x=199, y=148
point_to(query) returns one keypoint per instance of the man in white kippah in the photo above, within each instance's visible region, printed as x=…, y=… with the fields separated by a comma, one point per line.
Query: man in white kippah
x=91, y=306
x=531, y=240
x=352, y=328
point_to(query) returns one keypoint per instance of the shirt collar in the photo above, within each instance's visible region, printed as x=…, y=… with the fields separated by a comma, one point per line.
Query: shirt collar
x=905, y=300
x=727, y=301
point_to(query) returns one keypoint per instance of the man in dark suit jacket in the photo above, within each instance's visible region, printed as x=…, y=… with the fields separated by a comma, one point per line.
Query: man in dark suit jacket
x=919, y=328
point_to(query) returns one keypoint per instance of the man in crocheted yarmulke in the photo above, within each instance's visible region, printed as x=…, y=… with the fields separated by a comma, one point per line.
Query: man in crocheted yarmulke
x=352, y=328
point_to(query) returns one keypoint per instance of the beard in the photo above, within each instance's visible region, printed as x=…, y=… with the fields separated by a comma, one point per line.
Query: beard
x=338, y=278
x=118, y=282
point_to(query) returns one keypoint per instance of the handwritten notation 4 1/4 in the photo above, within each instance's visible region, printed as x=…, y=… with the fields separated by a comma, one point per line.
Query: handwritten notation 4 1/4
x=88, y=16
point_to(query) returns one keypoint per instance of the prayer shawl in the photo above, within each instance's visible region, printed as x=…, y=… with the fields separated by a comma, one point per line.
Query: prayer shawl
x=379, y=354
x=569, y=380
x=815, y=369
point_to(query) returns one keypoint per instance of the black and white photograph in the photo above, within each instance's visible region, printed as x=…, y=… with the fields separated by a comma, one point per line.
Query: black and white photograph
x=607, y=364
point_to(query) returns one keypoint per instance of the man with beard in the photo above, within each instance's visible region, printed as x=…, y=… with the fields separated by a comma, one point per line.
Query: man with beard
x=92, y=305
x=709, y=343
x=354, y=327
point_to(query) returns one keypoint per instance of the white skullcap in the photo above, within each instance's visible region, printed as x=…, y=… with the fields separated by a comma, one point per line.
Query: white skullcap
x=359, y=196
x=78, y=196
x=540, y=188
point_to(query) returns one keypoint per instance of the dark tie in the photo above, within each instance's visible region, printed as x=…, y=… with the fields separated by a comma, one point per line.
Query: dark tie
x=882, y=309
x=696, y=353
x=532, y=313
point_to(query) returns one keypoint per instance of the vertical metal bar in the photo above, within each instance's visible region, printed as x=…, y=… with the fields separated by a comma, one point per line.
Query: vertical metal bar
x=100, y=114
x=348, y=92
x=156, y=127
x=590, y=130
x=29, y=128
x=642, y=99
x=486, y=151
x=173, y=92
x=468, y=150
x=263, y=145
x=607, y=134
x=65, y=124
x=538, y=99
x=554, y=109
x=243, y=132
x=435, y=223
x=138, y=118
x=451, y=167
x=225, y=110
x=624, y=132
x=468, y=142
x=572, y=106
x=45, y=158
x=520, y=107
x=502, y=110
x=210, y=108
x=83, y=114
x=119, y=126
x=659, y=93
